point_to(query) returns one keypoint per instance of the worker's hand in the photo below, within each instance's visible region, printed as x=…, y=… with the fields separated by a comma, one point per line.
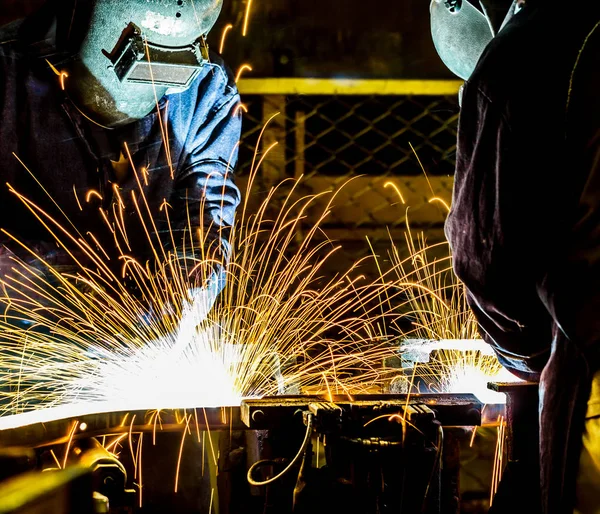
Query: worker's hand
x=195, y=305
x=201, y=299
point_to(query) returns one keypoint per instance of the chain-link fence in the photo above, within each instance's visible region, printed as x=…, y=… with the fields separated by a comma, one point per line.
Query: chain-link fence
x=359, y=130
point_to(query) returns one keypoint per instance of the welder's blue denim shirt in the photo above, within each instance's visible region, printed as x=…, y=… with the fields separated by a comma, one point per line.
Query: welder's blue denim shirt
x=70, y=156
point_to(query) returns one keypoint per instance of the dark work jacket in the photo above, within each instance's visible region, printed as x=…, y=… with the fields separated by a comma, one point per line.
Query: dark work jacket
x=525, y=221
x=70, y=156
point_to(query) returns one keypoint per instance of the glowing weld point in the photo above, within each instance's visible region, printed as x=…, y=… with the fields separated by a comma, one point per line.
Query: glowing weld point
x=465, y=375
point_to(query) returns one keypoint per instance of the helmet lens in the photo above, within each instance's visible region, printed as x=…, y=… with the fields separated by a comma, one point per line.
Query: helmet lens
x=139, y=61
x=162, y=74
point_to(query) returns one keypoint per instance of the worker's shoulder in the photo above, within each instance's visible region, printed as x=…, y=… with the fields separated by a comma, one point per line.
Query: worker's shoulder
x=533, y=56
x=221, y=75
x=212, y=90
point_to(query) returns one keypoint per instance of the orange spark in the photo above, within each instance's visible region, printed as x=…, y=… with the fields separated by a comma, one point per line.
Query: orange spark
x=212, y=448
x=397, y=189
x=473, y=437
x=130, y=439
x=241, y=70
x=225, y=31
x=77, y=198
x=185, y=430
x=71, y=434
x=440, y=200
x=240, y=107
x=91, y=193
x=55, y=459
x=247, y=18
x=115, y=442
x=62, y=75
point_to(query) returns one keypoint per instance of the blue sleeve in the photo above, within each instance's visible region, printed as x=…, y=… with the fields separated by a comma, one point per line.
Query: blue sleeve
x=205, y=194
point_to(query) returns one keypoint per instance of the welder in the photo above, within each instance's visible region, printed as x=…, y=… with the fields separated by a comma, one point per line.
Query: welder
x=108, y=95
x=525, y=221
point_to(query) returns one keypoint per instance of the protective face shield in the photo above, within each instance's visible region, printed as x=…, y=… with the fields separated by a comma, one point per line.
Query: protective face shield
x=461, y=29
x=131, y=52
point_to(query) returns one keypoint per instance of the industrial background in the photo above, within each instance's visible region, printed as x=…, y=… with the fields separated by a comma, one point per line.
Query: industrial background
x=361, y=95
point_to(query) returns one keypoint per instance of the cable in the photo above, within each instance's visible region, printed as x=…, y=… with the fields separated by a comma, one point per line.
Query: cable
x=251, y=481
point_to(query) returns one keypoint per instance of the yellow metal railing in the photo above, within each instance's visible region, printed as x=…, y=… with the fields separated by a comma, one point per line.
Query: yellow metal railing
x=334, y=86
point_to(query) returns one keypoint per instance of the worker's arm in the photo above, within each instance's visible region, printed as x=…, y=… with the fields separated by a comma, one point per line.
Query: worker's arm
x=205, y=196
x=501, y=229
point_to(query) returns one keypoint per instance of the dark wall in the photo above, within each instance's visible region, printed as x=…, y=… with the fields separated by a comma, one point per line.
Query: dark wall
x=319, y=38
x=12, y=9
x=340, y=38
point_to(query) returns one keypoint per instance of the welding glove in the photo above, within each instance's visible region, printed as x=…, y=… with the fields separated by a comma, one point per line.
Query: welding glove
x=197, y=303
x=202, y=299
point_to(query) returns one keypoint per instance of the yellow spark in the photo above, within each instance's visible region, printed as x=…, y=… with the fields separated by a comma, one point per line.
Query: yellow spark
x=473, y=437
x=93, y=193
x=225, y=30
x=70, y=440
x=272, y=309
x=440, y=200
x=77, y=198
x=197, y=424
x=241, y=70
x=145, y=174
x=141, y=481
x=162, y=123
x=422, y=168
x=62, y=75
x=239, y=107
x=498, y=459
x=55, y=459
x=396, y=188
x=117, y=440
x=187, y=422
x=212, y=449
x=247, y=17
x=44, y=190
x=129, y=437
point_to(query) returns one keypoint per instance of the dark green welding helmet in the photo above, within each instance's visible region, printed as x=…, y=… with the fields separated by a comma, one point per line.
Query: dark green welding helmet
x=461, y=29
x=128, y=53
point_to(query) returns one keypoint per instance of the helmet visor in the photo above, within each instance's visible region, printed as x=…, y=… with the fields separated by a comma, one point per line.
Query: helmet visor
x=460, y=34
x=136, y=60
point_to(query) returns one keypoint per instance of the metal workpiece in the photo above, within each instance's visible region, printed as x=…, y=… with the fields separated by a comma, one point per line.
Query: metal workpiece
x=276, y=412
x=521, y=479
x=114, y=423
x=522, y=400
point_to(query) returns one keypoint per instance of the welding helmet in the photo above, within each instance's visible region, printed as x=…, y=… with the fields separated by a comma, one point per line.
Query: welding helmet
x=130, y=52
x=461, y=29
